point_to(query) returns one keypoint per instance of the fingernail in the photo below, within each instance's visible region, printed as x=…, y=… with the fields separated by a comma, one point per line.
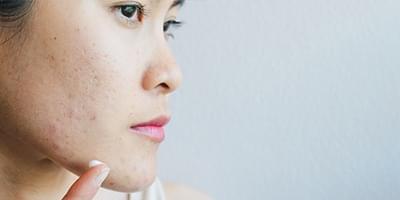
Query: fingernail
x=102, y=176
x=94, y=163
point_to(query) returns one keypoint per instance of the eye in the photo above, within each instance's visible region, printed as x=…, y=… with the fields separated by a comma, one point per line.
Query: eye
x=130, y=13
x=168, y=24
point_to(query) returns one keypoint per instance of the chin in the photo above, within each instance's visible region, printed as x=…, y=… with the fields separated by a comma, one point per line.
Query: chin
x=128, y=181
x=131, y=175
x=132, y=160
x=128, y=184
x=127, y=173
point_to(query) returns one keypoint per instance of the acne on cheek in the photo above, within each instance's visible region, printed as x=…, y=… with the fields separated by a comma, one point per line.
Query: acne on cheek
x=50, y=137
x=86, y=71
x=57, y=142
x=74, y=114
x=93, y=117
x=61, y=148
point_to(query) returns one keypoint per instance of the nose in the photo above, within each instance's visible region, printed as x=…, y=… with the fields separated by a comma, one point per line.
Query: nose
x=162, y=75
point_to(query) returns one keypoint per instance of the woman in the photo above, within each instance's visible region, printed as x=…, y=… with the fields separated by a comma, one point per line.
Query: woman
x=84, y=80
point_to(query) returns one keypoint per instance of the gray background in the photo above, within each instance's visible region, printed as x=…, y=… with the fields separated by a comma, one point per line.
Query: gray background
x=287, y=99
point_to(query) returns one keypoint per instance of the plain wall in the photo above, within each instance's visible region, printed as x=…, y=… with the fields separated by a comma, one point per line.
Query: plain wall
x=287, y=99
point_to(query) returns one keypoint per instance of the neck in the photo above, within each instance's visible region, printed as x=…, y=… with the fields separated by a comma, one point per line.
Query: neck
x=26, y=174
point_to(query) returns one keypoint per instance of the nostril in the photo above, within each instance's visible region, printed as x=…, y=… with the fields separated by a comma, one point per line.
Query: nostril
x=164, y=85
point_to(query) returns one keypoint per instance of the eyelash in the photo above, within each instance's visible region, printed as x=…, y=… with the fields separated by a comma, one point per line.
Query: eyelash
x=139, y=12
x=168, y=24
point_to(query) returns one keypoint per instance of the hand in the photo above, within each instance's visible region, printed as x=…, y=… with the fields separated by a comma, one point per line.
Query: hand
x=86, y=187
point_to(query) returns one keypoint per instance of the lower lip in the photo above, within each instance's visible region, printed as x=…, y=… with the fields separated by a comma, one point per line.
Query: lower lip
x=154, y=133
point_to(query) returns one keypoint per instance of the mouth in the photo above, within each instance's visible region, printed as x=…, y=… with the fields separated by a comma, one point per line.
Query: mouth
x=153, y=129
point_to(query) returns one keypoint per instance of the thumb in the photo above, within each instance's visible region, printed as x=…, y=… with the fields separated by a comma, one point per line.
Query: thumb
x=86, y=187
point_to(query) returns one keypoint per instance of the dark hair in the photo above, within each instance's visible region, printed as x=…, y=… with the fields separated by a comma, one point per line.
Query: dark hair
x=12, y=17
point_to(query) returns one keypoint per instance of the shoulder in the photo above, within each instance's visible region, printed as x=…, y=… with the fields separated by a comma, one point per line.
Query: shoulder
x=174, y=191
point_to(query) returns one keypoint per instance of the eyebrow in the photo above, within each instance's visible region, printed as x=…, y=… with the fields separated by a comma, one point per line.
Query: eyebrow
x=177, y=3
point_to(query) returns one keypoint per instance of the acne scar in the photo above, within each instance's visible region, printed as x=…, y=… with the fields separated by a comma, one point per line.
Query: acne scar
x=69, y=114
x=51, y=129
x=50, y=137
x=55, y=146
x=93, y=117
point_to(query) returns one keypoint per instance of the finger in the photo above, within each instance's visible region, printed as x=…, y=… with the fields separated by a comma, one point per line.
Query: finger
x=86, y=187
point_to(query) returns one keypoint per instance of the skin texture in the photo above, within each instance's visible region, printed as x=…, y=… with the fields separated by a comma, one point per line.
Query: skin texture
x=71, y=85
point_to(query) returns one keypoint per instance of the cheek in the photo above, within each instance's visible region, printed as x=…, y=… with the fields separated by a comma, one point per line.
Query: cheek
x=54, y=103
x=57, y=143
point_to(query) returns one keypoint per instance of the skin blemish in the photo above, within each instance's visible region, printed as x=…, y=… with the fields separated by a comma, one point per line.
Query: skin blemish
x=51, y=58
x=55, y=146
x=51, y=137
x=70, y=114
x=51, y=129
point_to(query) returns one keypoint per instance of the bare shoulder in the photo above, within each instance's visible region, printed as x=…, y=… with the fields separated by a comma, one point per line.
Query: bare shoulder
x=174, y=191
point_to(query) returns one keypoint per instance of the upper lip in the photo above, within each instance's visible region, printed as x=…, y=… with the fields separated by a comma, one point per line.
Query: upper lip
x=158, y=121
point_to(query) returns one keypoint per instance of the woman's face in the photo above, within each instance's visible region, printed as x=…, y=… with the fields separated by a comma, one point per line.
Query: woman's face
x=85, y=72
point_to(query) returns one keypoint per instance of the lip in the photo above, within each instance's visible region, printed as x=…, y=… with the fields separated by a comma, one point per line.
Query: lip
x=153, y=129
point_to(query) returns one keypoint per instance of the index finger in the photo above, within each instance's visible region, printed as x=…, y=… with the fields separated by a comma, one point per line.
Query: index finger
x=86, y=187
